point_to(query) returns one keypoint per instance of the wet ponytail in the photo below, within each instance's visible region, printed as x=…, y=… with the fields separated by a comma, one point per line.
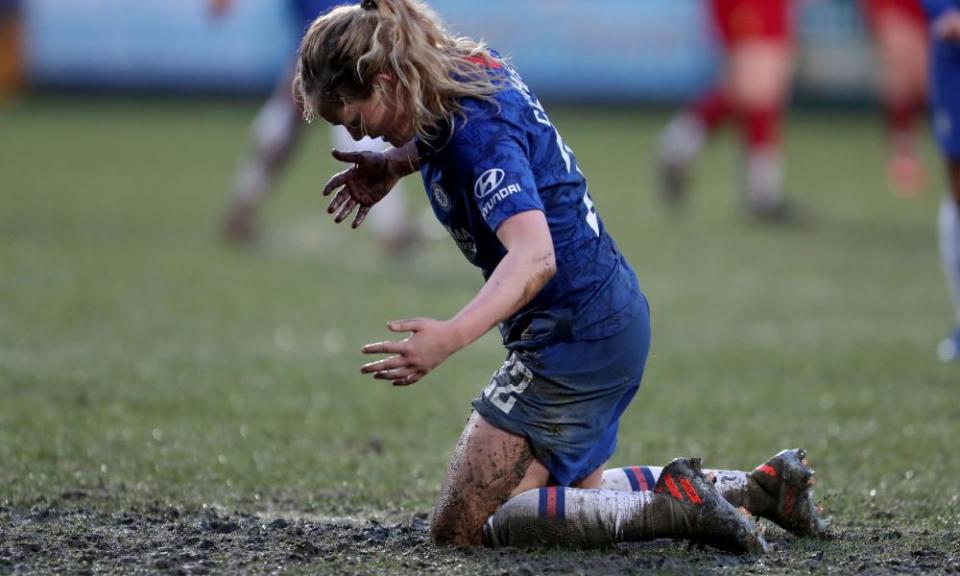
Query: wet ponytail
x=343, y=52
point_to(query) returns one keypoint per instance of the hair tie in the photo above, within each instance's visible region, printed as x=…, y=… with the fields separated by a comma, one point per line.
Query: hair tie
x=369, y=4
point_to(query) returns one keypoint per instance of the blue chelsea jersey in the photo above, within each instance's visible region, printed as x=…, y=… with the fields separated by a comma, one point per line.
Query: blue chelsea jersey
x=503, y=158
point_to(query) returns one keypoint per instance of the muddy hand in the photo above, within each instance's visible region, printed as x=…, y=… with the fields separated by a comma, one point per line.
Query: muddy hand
x=430, y=343
x=360, y=187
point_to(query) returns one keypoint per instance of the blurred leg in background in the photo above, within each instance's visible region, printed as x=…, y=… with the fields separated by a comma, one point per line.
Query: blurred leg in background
x=945, y=105
x=274, y=139
x=757, y=38
x=759, y=80
x=899, y=32
x=684, y=137
x=11, y=48
x=949, y=226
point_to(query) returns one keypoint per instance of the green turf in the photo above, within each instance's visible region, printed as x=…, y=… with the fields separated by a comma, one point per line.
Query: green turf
x=138, y=352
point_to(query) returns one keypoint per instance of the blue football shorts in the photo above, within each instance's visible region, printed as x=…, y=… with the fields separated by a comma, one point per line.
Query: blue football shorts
x=566, y=397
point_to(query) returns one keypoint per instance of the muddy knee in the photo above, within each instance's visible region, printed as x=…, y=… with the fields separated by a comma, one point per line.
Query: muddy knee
x=453, y=524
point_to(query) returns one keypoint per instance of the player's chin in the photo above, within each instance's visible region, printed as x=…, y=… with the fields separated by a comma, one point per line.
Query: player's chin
x=399, y=137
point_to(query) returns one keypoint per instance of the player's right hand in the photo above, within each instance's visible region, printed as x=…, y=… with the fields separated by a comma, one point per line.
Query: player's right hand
x=359, y=187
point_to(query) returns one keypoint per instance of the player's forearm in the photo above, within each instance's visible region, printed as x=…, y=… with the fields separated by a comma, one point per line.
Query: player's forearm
x=516, y=281
x=403, y=161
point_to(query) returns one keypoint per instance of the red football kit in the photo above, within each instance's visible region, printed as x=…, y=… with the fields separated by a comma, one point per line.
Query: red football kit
x=743, y=20
x=875, y=10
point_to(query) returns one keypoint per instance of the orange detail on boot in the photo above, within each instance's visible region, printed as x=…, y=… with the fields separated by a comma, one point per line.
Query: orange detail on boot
x=768, y=470
x=690, y=491
x=671, y=487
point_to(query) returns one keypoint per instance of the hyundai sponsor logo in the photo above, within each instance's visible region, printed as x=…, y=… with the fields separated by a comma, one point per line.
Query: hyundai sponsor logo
x=488, y=182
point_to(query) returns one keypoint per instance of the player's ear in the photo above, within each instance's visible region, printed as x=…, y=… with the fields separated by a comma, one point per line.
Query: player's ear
x=385, y=81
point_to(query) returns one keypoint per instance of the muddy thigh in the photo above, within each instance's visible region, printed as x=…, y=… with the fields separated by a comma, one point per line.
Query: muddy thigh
x=487, y=465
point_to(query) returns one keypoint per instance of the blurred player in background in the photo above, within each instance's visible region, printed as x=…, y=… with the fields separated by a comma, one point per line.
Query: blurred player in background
x=757, y=37
x=528, y=469
x=275, y=136
x=899, y=30
x=11, y=56
x=944, y=17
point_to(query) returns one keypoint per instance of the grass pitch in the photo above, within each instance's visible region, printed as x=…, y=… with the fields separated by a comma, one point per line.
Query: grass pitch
x=170, y=403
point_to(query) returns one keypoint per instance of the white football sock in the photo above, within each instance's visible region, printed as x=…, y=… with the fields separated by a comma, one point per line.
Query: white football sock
x=274, y=132
x=683, y=504
x=950, y=249
x=732, y=484
x=578, y=518
x=681, y=140
x=764, y=177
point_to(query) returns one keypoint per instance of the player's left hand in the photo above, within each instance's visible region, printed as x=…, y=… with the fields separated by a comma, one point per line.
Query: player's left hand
x=947, y=27
x=431, y=342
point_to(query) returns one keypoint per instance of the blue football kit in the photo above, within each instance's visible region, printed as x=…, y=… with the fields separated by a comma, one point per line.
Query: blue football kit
x=945, y=83
x=577, y=350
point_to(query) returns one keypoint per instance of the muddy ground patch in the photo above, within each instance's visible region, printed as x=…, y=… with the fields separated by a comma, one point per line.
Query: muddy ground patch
x=73, y=533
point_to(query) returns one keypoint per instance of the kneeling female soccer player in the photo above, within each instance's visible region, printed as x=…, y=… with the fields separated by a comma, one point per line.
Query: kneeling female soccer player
x=573, y=319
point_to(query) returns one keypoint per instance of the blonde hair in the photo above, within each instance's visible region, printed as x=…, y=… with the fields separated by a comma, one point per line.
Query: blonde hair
x=344, y=50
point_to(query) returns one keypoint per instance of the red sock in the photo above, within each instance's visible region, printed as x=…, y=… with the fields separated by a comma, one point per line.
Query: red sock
x=901, y=117
x=713, y=109
x=761, y=127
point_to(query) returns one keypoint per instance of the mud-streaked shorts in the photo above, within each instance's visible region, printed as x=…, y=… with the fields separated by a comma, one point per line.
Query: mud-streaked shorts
x=566, y=398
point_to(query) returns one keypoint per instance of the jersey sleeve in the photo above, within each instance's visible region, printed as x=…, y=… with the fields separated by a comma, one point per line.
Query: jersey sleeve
x=497, y=173
x=936, y=8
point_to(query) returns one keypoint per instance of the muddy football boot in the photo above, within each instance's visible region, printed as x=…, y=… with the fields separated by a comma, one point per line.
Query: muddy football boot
x=672, y=183
x=779, y=211
x=786, y=495
x=239, y=226
x=705, y=516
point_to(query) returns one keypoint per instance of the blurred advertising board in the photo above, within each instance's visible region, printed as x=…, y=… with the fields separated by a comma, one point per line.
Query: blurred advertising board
x=835, y=60
x=157, y=44
x=611, y=49
x=606, y=50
